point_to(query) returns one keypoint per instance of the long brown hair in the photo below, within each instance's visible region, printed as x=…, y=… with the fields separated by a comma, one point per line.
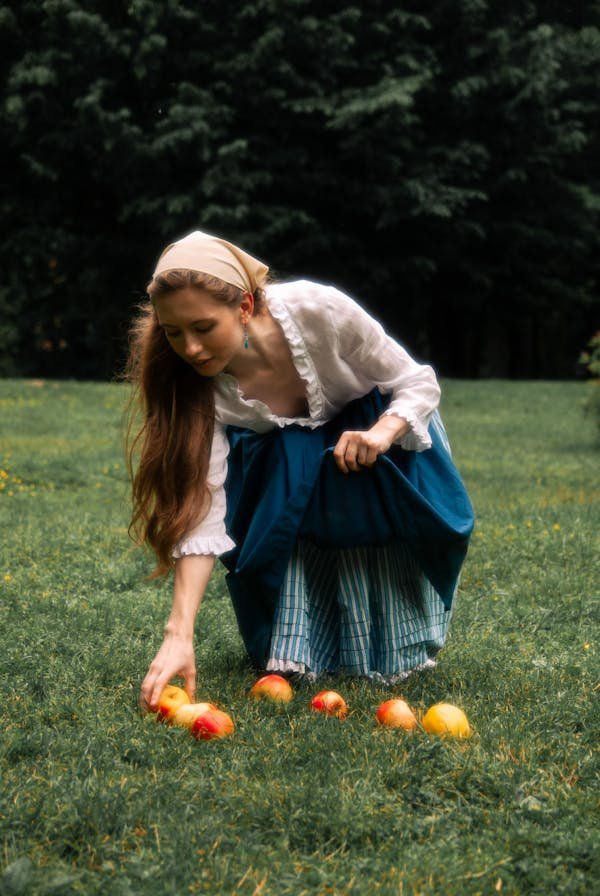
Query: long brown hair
x=172, y=446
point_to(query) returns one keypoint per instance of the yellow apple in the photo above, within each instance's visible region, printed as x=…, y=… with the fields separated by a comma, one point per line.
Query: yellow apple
x=212, y=723
x=331, y=703
x=396, y=713
x=272, y=687
x=187, y=713
x=444, y=718
x=171, y=698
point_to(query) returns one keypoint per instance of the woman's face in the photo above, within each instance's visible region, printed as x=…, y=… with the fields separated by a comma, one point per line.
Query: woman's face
x=202, y=331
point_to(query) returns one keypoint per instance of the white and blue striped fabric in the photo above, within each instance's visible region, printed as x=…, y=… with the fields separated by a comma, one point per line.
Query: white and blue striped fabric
x=365, y=611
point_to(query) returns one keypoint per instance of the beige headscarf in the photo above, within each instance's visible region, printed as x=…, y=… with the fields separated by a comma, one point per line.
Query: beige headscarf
x=210, y=255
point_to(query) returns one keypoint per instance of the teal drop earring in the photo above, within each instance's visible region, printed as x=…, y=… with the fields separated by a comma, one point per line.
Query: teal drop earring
x=246, y=340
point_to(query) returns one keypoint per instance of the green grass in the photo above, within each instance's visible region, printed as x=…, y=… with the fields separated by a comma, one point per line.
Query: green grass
x=95, y=798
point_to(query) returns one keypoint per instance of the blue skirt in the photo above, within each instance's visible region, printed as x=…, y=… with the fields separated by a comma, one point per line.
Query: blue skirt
x=284, y=486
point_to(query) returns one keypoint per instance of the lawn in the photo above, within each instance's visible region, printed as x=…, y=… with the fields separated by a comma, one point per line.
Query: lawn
x=96, y=798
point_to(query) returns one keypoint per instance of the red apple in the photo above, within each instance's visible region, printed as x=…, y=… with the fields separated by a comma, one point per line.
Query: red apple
x=272, y=687
x=187, y=713
x=171, y=698
x=330, y=703
x=212, y=723
x=396, y=714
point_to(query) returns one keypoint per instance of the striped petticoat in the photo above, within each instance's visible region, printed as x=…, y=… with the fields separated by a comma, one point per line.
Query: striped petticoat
x=365, y=611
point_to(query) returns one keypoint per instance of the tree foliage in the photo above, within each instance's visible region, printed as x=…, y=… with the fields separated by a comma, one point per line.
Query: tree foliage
x=438, y=161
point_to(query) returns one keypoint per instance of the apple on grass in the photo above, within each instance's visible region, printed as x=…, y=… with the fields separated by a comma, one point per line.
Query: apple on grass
x=187, y=713
x=272, y=687
x=171, y=698
x=330, y=703
x=446, y=719
x=212, y=723
x=396, y=713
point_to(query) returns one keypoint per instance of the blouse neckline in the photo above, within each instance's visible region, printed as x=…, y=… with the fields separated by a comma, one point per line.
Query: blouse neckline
x=300, y=358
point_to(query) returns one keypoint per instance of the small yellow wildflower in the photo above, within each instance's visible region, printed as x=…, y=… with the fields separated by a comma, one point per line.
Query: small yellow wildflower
x=556, y=527
x=3, y=474
x=587, y=645
x=529, y=524
x=8, y=577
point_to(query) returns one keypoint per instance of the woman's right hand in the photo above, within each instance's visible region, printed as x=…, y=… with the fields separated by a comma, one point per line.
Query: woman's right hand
x=176, y=655
x=175, y=658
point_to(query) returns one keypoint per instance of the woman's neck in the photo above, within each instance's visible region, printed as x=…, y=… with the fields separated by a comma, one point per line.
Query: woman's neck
x=265, y=371
x=263, y=352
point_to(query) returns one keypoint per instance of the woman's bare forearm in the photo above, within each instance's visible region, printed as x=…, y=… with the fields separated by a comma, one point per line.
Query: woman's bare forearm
x=176, y=654
x=192, y=575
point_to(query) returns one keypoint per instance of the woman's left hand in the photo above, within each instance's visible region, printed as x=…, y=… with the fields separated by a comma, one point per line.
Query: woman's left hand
x=361, y=448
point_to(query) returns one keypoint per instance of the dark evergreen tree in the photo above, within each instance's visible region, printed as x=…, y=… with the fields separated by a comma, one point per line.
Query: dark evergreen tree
x=437, y=160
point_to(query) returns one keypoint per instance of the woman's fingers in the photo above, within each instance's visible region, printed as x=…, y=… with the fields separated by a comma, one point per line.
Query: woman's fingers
x=189, y=679
x=367, y=455
x=154, y=684
x=152, y=687
x=355, y=450
x=174, y=659
x=160, y=683
x=340, y=450
x=146, y=692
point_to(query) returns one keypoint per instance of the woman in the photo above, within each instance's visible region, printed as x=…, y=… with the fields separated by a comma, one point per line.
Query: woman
x=287, y=434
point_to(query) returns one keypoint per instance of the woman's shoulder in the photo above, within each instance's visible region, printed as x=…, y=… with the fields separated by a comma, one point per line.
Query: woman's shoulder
x=306, y=297
x=316, y=305
x=295, y=290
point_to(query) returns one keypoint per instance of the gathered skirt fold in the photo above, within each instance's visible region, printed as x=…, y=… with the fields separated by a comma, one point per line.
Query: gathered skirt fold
x=291, y=511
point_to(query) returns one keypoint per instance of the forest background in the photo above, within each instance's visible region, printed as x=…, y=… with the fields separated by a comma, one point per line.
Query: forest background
x=439, y=161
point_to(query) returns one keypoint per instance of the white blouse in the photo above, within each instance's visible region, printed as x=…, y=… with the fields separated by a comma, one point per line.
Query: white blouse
x=341, y=353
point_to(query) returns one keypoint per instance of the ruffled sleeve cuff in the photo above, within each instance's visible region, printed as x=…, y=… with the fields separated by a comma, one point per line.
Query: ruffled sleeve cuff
x=210, y=535
x=203, y=544
x=417, y=438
